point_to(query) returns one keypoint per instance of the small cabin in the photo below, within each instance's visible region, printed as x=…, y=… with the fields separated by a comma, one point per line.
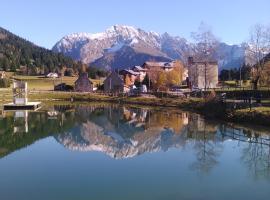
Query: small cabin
x=114, y=83
x=129, y=76
x=141, y=71
x=83, y=84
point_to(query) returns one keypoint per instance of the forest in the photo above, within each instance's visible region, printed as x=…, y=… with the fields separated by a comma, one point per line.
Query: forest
x=22, y=56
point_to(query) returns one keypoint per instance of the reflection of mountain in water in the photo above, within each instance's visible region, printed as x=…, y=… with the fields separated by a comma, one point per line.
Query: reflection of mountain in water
x=126, y=132
x=123, y=132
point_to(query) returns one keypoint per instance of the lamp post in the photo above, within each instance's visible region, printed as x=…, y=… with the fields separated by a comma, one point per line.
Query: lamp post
x=241, y=74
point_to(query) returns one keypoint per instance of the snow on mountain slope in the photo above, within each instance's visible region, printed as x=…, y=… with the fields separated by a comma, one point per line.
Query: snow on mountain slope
x=106, y=48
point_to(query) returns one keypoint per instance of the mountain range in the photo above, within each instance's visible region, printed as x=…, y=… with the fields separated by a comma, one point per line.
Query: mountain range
x=125, y=46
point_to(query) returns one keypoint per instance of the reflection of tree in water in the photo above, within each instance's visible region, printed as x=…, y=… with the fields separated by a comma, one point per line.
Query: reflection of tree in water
x=206, y=154
x=206, y=148
x=255, y=151
x=256, y=156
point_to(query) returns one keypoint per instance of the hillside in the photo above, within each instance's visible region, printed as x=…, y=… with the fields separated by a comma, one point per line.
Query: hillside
x=16, y=52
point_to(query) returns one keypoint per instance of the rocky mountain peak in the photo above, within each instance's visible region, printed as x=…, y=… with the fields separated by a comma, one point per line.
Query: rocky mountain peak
x=112, y=48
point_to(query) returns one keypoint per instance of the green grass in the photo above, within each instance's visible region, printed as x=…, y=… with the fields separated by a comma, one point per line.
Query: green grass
x=255, y=116
x=257, y=109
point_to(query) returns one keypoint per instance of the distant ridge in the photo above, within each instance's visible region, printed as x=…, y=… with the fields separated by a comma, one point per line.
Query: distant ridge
x=123, y=46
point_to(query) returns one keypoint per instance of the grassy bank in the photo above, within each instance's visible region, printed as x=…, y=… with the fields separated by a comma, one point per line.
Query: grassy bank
x=258, y=116
x=210, y=109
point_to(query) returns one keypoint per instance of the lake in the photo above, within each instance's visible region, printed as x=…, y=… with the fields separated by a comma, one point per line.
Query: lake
x=107, y=151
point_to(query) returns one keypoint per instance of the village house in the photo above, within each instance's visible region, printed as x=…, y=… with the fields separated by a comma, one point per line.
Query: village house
x=202, y=75
x=129, y=76
x=124, y=81
x=141, y=71
x=83, y=84
x=114, y=83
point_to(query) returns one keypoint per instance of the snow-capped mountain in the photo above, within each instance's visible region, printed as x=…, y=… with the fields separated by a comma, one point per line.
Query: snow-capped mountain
x=125, y=46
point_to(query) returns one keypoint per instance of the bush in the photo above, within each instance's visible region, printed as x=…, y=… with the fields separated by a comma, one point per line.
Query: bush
x=4, y=83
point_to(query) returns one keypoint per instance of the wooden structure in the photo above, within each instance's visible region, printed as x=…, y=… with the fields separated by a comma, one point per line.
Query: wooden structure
x=129, y=77
x=114, y=83
x=20, y=98
x=141, y=71
x=83, y=84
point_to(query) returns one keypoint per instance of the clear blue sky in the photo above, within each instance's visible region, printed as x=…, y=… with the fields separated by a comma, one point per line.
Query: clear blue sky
x=44, y=22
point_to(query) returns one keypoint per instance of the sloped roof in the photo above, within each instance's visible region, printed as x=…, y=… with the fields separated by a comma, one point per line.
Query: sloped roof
x=83, y=77
x=113, y=73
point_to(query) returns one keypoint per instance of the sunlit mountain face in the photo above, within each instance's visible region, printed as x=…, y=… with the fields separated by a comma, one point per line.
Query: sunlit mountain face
x=122, y=46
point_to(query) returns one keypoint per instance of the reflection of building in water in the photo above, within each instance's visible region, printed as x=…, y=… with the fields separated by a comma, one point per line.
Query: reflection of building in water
x=198, y=128
x=172, y=120
x=21, y=121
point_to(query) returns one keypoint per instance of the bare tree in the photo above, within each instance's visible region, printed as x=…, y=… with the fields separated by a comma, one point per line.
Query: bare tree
x=205, y=47
x=256, y=49
x=205, y=43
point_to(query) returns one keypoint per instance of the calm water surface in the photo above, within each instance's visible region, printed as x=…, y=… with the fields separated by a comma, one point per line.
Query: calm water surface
x=123, y=152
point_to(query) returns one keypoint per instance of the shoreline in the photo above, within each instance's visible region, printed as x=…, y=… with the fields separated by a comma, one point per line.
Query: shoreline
x=209, y=109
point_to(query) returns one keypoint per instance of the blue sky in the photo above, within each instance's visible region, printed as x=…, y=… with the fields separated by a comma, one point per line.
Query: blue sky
x=45, y=22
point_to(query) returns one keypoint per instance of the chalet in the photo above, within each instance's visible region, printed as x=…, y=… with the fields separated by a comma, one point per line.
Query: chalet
x=114, y=83
x=202, y=74
x=83, y=84
x=129, y=76
x=141, y=71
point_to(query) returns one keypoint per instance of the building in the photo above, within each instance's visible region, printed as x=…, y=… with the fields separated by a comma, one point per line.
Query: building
x=129, y=76
x=114, y=83
x=83, y=84
x=202, y=75
x=141, y=71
